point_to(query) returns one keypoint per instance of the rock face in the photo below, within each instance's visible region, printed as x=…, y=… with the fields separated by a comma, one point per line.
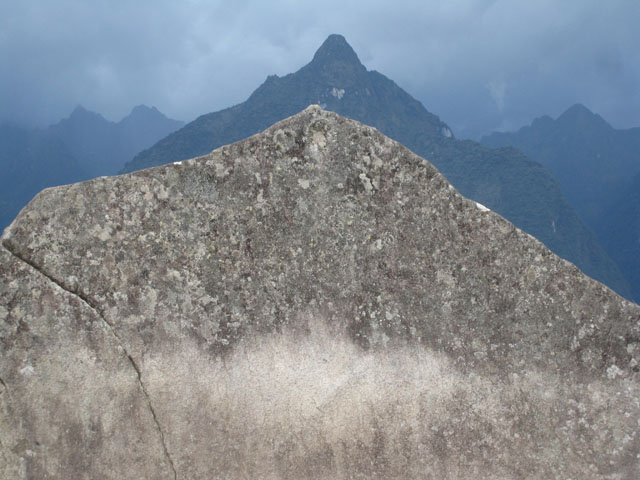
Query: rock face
x=313, y=302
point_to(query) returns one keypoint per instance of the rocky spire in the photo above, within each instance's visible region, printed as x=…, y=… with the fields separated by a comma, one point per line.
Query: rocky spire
x=336, y=49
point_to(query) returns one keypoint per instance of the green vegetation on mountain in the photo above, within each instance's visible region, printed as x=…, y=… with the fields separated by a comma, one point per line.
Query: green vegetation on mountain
x=501, y=179
x=595, y=165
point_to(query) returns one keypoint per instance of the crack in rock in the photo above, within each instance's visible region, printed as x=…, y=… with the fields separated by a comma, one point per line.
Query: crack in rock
x=87, y=301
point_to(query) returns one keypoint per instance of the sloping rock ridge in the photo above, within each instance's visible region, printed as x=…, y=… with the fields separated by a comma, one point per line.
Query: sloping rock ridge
x=315, y=301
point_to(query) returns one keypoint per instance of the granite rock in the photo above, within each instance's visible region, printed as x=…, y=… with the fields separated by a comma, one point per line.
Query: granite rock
x=315, y=301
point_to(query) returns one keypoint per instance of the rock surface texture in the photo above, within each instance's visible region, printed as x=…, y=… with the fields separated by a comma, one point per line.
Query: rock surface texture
x=313, y=302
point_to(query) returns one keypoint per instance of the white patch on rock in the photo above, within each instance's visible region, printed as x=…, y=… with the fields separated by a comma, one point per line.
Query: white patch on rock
x=613, y=371
x=482, y=207
x=162, y=192
x=366, y=182
x=27, y=371
x=337, y=92
x=446, y=132
x=304, y=183
x=377, y=245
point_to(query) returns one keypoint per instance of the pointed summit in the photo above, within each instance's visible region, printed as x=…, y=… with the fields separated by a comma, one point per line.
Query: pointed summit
x=335, y=49
x=81, y=113
x=580, y=116
x=337, y=65
x=143, y=110
x=143, y=113
x=578, y=109
x=79, y=110
x=82, y=117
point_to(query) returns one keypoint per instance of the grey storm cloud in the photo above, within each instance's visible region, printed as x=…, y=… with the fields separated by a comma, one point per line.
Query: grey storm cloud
x=478, y=64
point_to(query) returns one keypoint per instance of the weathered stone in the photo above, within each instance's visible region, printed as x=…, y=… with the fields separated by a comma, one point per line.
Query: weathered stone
x=72, y=405
x=313, y=302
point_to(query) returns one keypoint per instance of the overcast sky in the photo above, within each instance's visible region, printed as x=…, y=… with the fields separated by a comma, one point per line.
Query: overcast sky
x=480, y=65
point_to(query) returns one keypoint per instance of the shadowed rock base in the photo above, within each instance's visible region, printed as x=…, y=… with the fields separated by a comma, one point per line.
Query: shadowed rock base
x=313, y=302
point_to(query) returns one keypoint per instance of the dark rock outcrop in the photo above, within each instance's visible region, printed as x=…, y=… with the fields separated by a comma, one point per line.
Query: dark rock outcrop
x=315, y=301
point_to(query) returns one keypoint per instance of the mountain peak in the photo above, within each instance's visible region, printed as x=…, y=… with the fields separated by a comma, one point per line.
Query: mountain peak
x=82, y=115
x=142, y=109
x=336, y=49
x=81, y=112
x=578, y=110
x=580, y=116
x=145, y=112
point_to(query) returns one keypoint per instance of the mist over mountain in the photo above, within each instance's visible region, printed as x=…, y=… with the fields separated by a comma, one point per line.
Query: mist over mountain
x=592, y=160
x=595, y=165
x=620, y=227
x=32, y=160
x=104, y=146
x=77, y=148
x=502, y=179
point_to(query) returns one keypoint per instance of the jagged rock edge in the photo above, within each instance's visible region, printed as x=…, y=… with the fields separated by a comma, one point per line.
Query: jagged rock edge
x=87, y=301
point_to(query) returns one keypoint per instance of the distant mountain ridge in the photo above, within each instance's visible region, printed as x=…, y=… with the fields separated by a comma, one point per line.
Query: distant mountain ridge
x=77, y=148
x=598, y=168
x=620, y=227
x=31, y=160
x=502, y=179
x=592, y=161
x=104, y=146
